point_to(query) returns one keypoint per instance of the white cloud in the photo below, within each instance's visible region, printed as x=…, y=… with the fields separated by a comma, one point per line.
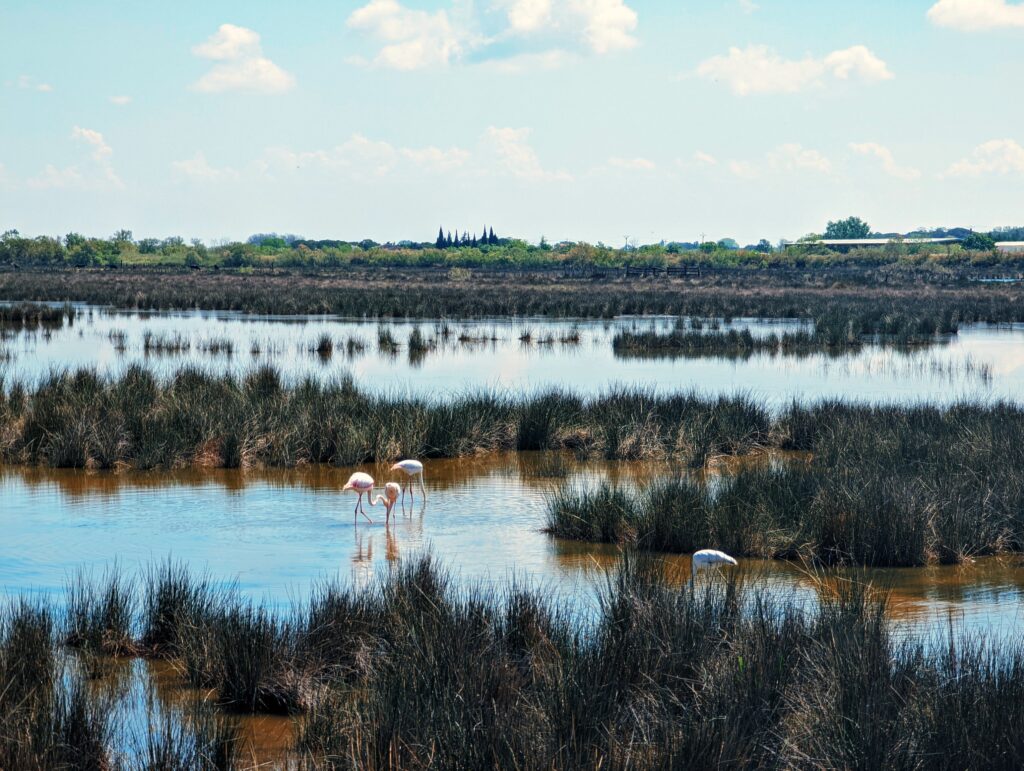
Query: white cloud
x=528, y=15
x=197, y=167
x=998, y=156
x=95, y=174
x=101, y=151
x=795, y=157
x=514, y=154
x=742, y=169
x=608, y=25
x=748, y=6
x=414, y=39
x=758, y=69
x=436, y=159
x=884, y=154
x=27, y=82
x=121, y=100
x=230, y=43
x=534, y=33
x=632, y=164
x=705, y=159
x=976, y=15
x=241, y=65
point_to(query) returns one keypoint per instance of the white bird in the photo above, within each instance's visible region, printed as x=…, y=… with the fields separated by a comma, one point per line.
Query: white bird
x=706, y=558
x=362, y=483
x=391, y=492
x=411, y=468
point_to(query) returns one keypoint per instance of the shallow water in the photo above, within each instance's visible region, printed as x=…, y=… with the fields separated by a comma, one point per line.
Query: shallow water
x=979, y=361
x=278, y=532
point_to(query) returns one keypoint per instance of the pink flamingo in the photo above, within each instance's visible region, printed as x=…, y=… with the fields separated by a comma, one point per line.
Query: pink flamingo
x=362, y=483
x=411, y=468
x=391, y=492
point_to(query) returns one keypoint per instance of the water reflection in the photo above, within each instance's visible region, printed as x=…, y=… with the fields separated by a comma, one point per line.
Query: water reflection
x=428, y=358
x=278, y=532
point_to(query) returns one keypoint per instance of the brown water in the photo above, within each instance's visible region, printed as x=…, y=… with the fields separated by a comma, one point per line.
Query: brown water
x=980, y=360
x=277, y=532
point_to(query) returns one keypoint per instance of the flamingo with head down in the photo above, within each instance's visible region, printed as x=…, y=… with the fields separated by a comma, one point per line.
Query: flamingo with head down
x=706, y=558
x=362, y=483
x=391, y=492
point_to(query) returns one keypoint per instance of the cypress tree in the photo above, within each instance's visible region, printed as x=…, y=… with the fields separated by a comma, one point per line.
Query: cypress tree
x=456, y=241
x=491, y=238
x=473, y=242
x=483, y=236
x=448, y=241
x=440, y=238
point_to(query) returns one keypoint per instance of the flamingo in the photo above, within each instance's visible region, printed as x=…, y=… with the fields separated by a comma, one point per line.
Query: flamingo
x=391, y=492
x=411, y=468
x=362, y=483
x=708, y=558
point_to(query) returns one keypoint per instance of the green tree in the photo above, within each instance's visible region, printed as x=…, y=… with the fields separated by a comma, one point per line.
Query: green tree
x=851, y=227
x=765, y=246
x=981, y=242
x=440, y=242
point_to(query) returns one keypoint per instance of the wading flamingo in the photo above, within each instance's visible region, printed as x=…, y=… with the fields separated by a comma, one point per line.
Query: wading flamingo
x=706, y=558
x=412, y=468
x=391, y=492
x=362, y=483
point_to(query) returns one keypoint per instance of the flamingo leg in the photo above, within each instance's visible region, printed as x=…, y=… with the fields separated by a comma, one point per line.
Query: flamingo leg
x=423, y=487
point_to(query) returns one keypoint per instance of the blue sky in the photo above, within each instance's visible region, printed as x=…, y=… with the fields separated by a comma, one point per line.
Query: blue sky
x=572, y=119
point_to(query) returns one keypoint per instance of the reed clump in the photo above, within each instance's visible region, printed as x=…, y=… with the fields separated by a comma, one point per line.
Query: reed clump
x=834, y=331
x=193, y=418
x=885, y=485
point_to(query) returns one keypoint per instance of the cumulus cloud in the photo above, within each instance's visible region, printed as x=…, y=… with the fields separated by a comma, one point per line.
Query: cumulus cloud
x=533, y=33
x=529, y=15
x=795, y=157
x=884, y=154
x=197, y=167
x=705, y=159
x=240, y=64
x=96, y=173
x=998, y=156
x=515, y=155
x=436, y=159
x=608, y=25
x=977, y=15
x=413, y=39
x=101, y=151
x=758, y=69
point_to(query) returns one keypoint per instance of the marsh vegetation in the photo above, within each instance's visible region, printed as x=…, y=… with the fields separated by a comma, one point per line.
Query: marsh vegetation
x=412, y=672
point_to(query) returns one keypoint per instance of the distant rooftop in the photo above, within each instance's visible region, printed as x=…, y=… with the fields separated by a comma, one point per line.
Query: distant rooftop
x=876, y=241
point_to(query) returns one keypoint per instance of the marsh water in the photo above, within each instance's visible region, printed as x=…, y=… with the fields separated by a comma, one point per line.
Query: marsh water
x=460, y=356
x=277, y=533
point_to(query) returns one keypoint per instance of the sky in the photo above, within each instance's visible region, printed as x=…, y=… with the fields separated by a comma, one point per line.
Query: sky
x=593, y=120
